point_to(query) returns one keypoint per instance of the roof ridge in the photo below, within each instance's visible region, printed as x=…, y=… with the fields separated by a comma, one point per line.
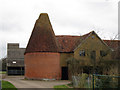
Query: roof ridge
x=110, y=40
x=67, y=36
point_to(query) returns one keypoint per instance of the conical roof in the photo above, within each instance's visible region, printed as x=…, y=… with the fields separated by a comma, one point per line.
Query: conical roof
x=42, y=38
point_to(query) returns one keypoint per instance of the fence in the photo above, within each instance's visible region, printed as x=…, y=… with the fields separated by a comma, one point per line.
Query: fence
x=105, y=81
x=96, y=81
x=82, y=81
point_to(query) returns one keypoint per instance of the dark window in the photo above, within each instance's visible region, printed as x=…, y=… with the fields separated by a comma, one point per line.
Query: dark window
x=16, y=71
x=93, y=55
x=82, y=53
x=103, y=53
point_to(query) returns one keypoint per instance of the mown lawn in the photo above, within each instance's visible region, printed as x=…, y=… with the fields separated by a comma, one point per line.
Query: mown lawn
x=7, y=85
x=60, y=86
x=2, y=72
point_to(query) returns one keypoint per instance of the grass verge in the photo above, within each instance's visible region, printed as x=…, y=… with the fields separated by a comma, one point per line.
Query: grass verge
x=2, y=72
x=8, y=85
x=60, y=86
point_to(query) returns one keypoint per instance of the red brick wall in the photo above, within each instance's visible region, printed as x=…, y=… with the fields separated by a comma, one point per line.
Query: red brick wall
x=42, y=65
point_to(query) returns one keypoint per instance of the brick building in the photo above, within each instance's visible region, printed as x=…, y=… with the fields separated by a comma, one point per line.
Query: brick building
x=46, y=54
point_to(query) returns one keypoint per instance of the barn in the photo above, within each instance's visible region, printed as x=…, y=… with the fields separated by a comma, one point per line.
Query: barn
x=42, y=59
x=46, y=54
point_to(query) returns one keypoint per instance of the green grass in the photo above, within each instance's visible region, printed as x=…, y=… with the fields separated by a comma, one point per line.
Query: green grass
x=70, y=85
x=60, y=86
x=2, y=72
x=7, y=85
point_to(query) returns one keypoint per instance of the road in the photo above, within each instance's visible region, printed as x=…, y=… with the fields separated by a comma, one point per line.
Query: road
x=20, y=82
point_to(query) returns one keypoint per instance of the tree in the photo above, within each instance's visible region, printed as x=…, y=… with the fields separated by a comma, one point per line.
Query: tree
x=3, y=64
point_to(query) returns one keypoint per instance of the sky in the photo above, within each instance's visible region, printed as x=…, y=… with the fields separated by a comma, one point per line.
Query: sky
x=68, y=17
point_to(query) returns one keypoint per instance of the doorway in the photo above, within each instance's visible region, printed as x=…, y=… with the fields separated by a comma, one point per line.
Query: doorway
x=15, y=71
x=64, y=73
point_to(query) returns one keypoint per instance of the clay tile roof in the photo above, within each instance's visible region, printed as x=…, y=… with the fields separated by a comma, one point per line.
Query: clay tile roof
x=42, y=38
x=114, y=44
x=69, y=43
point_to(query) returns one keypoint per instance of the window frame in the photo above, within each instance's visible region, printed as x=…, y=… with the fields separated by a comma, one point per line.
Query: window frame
x=82, y=53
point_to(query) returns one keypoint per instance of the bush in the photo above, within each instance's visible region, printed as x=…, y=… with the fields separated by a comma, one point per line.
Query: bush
x=80, y=81
x=83, y=80
x=105, y=82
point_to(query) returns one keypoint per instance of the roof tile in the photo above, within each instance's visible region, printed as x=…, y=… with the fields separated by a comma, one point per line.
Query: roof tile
x=42, y=38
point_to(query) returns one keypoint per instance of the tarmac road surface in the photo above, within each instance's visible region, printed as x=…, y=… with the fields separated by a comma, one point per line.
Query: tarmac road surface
x=19, y=82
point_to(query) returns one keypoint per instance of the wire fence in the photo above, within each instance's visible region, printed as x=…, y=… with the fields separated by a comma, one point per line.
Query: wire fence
x=106, y=81
x=96, y=81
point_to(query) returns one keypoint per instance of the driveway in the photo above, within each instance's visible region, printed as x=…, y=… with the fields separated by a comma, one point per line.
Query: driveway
x=19, y=82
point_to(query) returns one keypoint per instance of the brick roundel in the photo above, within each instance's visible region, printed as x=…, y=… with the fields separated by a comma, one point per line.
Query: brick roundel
x=44, y=65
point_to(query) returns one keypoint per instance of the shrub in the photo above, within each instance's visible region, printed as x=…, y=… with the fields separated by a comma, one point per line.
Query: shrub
x=105, y=82
x=83, y=80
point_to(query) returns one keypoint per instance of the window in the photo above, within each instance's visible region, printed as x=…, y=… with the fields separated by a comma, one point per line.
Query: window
x=82, y=53
x=93, y=55
x=103, y=53
x=14, y=62
x=93, y=37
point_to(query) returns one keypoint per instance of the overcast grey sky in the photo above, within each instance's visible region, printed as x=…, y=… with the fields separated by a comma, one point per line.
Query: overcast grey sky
x=68, y=17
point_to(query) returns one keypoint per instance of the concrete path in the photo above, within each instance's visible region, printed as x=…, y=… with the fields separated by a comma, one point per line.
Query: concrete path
x=19, y=82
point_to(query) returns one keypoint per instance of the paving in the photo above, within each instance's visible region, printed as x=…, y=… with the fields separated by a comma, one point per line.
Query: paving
x=20, y=82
